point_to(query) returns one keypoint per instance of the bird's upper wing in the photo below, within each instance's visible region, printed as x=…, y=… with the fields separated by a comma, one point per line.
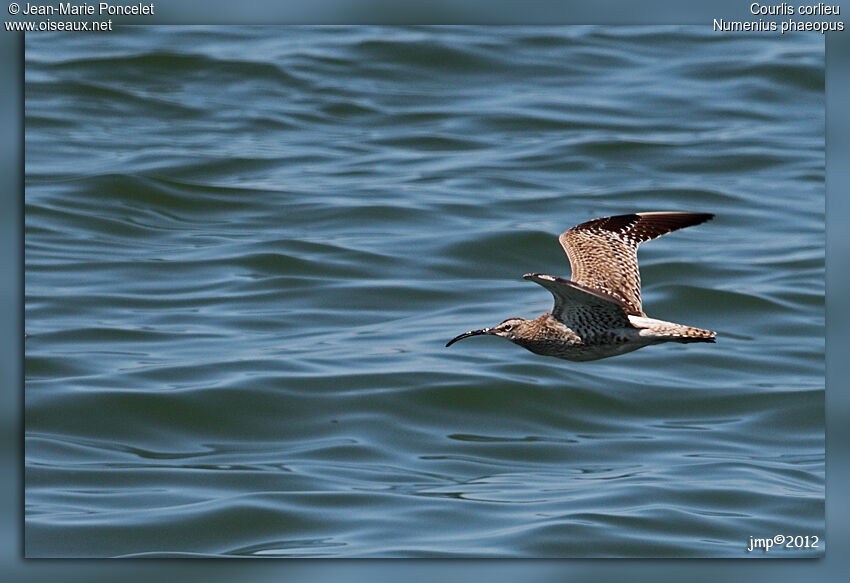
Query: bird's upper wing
x=603, y=252
x=582, y=308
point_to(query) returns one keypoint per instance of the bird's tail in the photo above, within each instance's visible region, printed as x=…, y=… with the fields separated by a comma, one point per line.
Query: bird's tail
x=668, y=331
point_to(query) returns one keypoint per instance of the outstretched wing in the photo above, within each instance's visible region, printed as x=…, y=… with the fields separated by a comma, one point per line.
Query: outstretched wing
x=582, y=308
x=603, y=252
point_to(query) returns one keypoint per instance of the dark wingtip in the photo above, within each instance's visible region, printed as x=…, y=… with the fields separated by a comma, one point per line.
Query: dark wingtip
x=702, y=217
x=684, y=218
x=644, y=225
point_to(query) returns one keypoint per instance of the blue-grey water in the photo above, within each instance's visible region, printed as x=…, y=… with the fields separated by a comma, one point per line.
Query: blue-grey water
x=245, y=249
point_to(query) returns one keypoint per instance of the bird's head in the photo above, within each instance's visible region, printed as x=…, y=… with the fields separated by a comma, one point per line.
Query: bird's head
x=512, y=328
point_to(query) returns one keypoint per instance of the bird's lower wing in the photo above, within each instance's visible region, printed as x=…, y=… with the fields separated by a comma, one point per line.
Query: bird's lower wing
x=579, y=306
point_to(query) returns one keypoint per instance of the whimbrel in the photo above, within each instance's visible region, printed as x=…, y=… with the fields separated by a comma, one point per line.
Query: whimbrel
x=598, y=312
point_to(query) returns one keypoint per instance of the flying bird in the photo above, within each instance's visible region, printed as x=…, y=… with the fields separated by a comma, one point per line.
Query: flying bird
x=598, y=313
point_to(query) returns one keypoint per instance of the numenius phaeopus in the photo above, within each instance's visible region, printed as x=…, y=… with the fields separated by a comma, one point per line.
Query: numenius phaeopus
x=598, y=313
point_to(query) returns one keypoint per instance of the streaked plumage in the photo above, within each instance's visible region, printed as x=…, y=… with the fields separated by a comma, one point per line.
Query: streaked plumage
x=598, y=313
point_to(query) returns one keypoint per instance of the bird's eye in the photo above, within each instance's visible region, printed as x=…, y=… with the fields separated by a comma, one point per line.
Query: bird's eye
x=507, y=327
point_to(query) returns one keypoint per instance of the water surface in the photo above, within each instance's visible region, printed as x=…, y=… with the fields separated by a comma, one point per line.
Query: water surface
x=247, y=246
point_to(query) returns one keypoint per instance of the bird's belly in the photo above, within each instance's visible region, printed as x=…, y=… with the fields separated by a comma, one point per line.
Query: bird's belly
x=589, y=347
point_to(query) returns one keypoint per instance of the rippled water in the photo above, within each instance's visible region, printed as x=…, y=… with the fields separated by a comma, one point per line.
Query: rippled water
x=247, y=247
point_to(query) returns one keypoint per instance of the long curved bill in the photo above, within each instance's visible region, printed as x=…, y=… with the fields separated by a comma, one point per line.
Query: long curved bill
x=468, y=334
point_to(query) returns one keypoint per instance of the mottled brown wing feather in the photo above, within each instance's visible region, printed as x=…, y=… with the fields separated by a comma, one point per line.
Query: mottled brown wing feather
x=581, y=308
x=603, y=252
